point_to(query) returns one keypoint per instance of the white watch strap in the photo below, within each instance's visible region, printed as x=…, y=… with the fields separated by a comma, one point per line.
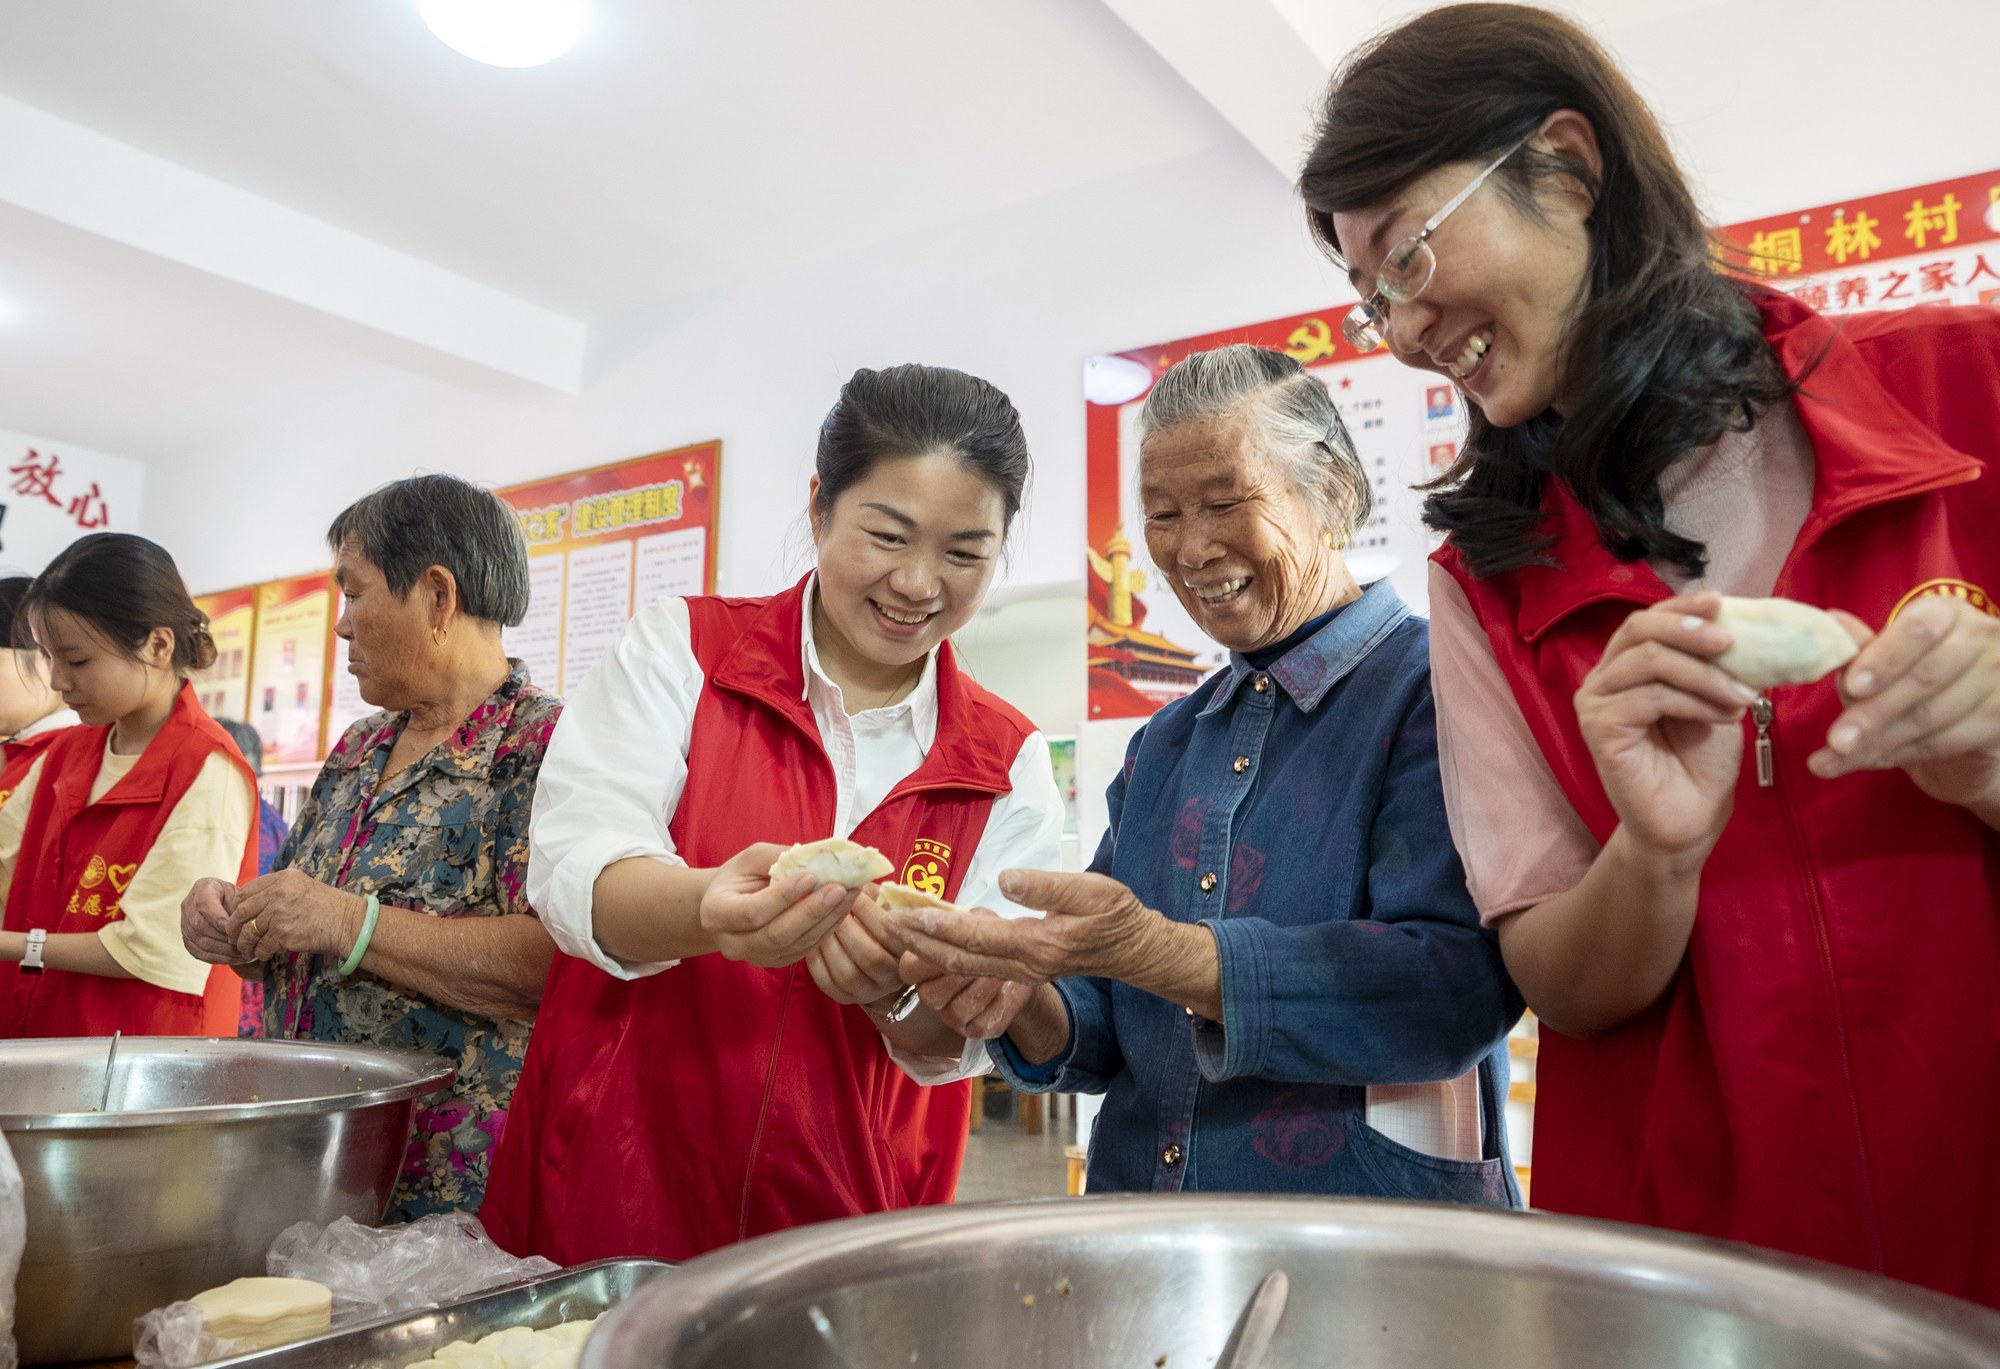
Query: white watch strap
x=31, y=958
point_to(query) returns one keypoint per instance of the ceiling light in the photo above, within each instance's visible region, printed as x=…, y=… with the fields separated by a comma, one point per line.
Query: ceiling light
x=1114, y=379
x=505, y=33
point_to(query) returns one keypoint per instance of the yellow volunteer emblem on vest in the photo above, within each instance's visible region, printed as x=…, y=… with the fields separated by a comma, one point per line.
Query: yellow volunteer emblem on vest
x=1949, y=589
x=95, y=875
x=927, y=867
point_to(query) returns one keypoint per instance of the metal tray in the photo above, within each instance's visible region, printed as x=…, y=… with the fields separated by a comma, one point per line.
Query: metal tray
x=574, y=1294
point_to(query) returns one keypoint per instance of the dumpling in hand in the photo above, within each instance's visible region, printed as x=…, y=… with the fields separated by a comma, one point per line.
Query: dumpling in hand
x=835, y=860
x=903, y=897
x=1779, y=641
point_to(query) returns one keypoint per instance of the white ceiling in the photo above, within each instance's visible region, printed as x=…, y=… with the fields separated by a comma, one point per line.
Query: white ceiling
x=677, y=146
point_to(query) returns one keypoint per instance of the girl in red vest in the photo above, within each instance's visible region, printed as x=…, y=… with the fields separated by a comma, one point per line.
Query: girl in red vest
x=717, y=1056
x=115, y=819
x=31, y=713
x=1772, y=984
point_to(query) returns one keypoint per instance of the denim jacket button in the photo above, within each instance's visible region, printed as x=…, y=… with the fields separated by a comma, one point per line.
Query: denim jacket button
x=1262, y=684
x=1208, y=882
x=1241, y=764
x=1171, y=1156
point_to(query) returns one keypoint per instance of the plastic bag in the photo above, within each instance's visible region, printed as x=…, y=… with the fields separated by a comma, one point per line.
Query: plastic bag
x=13, y=1240
x=173, y=1337
x=376, y=1271
x=371, y=1272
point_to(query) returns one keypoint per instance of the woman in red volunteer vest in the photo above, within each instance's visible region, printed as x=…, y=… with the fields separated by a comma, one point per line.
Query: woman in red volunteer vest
x=716, y=1056
x=31, y=713
x=116, y=818
x=1760, y=926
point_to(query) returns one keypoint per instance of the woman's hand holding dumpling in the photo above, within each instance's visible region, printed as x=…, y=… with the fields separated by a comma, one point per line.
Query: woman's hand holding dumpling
x=751, y=919
x=1664, y=725
x=1923, y=696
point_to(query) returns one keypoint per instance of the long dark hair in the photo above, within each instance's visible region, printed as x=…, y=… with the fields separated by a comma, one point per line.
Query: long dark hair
x=122, y=586
x=1666, y=352
x=913, y=410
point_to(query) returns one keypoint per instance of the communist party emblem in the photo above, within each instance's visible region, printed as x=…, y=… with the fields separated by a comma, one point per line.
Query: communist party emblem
x=927, y=867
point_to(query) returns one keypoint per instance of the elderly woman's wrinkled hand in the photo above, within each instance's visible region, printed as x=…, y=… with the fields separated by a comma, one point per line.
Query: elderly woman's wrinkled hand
x=291, y=912
x=977, y=1007
x=205, y=914
x=751, y=919
x=1094, y=926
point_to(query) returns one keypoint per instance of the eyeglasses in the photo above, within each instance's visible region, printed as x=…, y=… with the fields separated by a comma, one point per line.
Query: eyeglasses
x=1407, y=270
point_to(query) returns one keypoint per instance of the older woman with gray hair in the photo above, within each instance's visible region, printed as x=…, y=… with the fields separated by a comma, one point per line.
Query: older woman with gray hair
x=1273, y=970
x=397, y=913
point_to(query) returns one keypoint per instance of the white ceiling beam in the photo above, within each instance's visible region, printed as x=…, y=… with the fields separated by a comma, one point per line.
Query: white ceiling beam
x=106, y=188
x=1247, y=60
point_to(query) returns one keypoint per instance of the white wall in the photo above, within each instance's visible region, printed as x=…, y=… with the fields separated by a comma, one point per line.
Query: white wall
x=1019, y=298
x=52, y=493
x=1773, y=104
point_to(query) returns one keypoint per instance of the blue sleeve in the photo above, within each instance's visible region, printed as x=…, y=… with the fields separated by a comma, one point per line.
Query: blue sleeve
x=1410, y=991
x=1092, y=1058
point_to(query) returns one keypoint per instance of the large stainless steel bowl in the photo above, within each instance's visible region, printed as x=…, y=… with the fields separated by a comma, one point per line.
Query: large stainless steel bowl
x=1136, y=1281
x=208, y=1150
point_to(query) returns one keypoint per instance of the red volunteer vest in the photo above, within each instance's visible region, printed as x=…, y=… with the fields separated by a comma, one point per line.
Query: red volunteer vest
x=670, y=1115
x=77, y=857
x=1823, y=1076
x=18, y=757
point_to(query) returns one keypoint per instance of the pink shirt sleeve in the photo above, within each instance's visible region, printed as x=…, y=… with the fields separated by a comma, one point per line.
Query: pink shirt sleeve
x=1520, y=839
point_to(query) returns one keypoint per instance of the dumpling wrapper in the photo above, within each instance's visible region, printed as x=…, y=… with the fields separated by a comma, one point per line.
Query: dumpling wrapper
x=262, y=1312
x=835, y=860
x=573, y=1333
x=1780, y=641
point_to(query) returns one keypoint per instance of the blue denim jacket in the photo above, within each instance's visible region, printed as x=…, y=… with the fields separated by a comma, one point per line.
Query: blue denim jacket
x=1296, y=813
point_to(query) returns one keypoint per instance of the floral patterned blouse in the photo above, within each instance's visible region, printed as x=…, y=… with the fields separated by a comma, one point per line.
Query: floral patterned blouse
x=448, y=835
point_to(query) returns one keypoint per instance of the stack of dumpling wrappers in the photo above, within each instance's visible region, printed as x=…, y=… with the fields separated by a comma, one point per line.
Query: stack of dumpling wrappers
x=257, y=1314
x=517, y=1347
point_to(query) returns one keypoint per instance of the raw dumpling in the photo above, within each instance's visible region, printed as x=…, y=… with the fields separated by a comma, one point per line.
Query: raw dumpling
x=833, y=861
x=902, y=896
x=570, y=1333
x=516, y=1347
x=1779, y=641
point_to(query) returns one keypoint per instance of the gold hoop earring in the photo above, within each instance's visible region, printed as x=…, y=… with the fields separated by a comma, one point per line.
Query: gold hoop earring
x=438, y=635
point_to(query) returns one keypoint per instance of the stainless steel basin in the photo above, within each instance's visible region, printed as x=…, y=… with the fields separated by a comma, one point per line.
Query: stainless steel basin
x=1103, y=1283
x=208, y=1150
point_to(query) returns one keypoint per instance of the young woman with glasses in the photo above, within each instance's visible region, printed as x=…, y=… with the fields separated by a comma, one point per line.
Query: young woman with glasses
x=1773, y=988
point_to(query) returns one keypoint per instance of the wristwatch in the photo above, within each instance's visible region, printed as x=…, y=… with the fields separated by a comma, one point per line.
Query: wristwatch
x=31, y=958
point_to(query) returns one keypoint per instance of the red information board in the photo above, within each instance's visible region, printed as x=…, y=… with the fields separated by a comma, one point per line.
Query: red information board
x=605, y=542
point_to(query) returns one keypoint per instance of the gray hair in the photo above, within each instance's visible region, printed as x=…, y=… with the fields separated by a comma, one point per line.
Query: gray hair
x=1292, y=415
x=408, y=526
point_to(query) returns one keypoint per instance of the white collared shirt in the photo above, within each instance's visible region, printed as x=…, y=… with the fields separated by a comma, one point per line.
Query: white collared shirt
x=616, y=768
x=53, y=722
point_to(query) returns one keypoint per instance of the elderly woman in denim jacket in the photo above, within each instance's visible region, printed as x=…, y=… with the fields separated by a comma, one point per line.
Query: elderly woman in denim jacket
x=1273, y=970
